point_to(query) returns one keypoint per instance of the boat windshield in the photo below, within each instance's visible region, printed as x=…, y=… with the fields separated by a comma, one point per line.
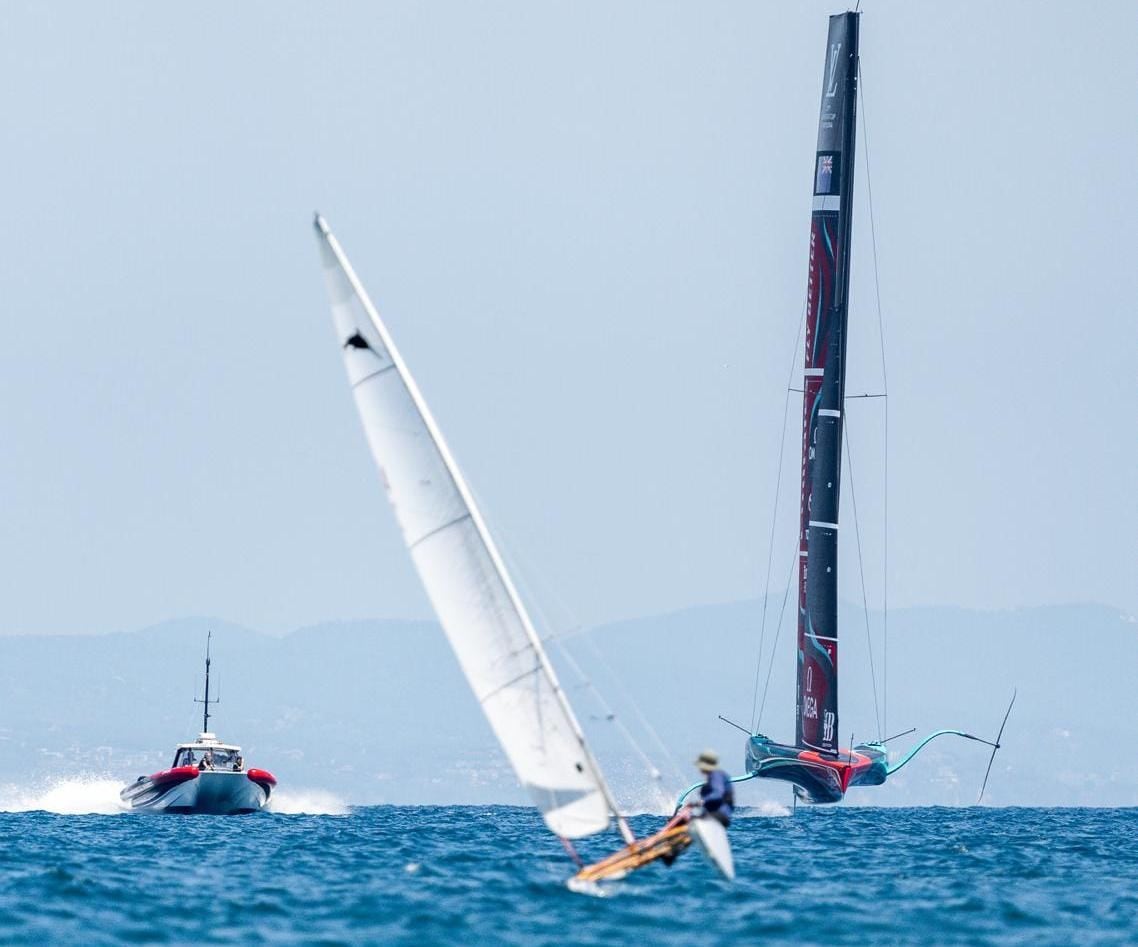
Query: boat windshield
x=210, y=758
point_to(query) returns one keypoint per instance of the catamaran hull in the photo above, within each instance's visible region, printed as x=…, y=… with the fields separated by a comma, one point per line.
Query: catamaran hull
x=187, y=791
x=816, y=778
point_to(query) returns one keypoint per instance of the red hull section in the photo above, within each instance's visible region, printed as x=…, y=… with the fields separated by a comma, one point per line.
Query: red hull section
x=850, y=765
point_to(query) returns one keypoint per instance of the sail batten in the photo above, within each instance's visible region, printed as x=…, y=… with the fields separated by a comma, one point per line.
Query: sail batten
x=823, y=391
x=462, y=571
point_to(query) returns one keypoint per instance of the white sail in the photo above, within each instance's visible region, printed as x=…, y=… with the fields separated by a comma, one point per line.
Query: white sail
x=465, y=578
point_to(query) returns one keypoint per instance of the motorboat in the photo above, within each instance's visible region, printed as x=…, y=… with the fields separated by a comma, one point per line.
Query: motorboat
x=207, y=777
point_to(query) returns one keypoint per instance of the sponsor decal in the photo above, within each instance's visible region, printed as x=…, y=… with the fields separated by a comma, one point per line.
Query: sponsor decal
x=832, y=82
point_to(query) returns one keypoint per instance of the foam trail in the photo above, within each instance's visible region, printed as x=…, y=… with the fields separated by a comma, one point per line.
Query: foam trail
x=69, y=795
x=767, y=809
x=591, y=888
x=651, y=802
x=307, y=802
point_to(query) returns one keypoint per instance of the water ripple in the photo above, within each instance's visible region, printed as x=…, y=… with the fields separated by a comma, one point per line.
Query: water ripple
x=448, y=875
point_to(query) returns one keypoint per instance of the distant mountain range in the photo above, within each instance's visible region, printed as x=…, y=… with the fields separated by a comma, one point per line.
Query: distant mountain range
x=378, y=712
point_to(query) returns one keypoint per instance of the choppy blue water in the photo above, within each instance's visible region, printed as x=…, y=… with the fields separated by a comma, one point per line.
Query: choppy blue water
x=493, y=875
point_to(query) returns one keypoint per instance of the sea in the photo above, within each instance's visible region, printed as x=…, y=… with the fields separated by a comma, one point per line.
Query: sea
x=319, y=872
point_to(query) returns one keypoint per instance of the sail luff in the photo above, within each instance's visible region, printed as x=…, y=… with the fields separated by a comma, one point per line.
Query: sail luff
x=484, y=540
x=823, y=392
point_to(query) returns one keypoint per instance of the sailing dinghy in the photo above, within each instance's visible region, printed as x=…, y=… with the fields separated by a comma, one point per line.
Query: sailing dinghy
x=820, y=770
x=476, y=602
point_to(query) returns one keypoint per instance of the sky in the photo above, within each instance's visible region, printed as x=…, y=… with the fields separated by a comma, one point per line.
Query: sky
x=586, y=227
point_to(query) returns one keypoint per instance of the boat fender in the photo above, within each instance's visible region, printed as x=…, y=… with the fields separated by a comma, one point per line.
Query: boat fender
x=179, y=774
x=262, y=777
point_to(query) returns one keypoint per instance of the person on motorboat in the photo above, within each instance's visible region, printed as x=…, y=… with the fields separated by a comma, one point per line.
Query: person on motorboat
x=716, y=795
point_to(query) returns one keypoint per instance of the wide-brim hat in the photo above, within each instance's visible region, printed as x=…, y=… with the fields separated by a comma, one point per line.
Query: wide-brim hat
x=707, y=761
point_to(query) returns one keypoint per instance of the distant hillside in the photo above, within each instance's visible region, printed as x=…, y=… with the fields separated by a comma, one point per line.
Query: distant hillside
x=377, y=711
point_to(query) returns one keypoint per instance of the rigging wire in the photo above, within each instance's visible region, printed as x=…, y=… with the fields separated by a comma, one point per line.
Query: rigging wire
x=861, y=571
x=774, y=521
x=562, y=637
x=558, y=632
x=778, y=631
x=610, y=714
x=652, y=733
x=885, y=391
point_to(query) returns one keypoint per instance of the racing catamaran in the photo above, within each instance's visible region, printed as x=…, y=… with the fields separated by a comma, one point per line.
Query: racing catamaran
x=821, y=770
x=477, y=604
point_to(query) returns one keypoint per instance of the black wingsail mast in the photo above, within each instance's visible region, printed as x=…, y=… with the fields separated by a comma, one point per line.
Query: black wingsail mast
x=823, y=386
x=819, y=768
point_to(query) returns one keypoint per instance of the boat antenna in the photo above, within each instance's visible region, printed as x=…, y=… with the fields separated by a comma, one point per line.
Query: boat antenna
x=206, y=701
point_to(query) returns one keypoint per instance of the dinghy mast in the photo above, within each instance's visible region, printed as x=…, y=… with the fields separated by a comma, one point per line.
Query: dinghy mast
x=464, y=575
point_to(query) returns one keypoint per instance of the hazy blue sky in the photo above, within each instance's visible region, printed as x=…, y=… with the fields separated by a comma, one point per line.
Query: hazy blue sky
x=586, y=225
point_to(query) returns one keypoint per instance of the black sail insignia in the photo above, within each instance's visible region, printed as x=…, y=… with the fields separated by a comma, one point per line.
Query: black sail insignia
x=356, y=341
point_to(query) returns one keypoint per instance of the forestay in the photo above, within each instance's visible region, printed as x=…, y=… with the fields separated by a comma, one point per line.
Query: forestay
x=465, y=578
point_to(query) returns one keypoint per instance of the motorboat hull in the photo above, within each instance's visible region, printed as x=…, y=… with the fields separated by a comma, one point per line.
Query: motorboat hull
x=185, y=790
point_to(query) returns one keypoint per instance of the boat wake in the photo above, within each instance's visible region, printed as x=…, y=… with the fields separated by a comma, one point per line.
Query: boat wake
x=593, y=889
x=647, y=800
x=69, y=795
x=766, y=809
x=307, y=802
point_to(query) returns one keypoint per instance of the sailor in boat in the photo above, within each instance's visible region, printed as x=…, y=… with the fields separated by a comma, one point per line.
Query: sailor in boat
x=716, y=797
